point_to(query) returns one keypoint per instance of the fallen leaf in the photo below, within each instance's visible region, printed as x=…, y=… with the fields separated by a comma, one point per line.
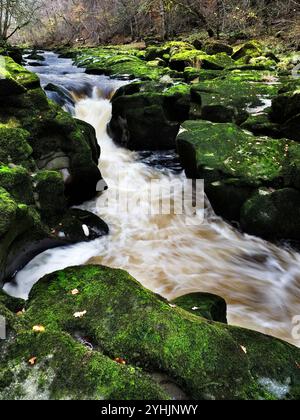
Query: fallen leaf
x=38, y=329
x=120, y=360
x=20, y=313
x=32, y=361
x=244, y=349
x=75, y=292
x=80, y=314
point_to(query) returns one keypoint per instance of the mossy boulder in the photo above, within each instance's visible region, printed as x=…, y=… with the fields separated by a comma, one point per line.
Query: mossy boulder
x=14, y=78
x=49, y=195
x=205, y=305
x=120, y=319
x=215, y=47
x=286, y=112
x=273, y=214
x=233, y=95
x=198, y=59
x=235, y=165
x=247, y=51
x=14, y=146
x=227, y=149
x=48, y=161
x=261, y=125
x=147, y=117
x=17, y=181
x=117, y=62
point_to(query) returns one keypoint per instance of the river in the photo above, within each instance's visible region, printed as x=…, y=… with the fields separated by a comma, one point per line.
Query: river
x=259, y=281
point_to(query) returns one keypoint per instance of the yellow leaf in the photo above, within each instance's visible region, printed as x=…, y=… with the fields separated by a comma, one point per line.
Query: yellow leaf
x=38, y=329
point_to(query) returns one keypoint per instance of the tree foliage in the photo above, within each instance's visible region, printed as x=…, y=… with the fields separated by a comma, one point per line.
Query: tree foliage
x=16, y=15
x=100, y=21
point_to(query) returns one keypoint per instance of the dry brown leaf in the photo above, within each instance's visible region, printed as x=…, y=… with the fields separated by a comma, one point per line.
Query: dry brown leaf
x=120, y=360
x=32, y=361
x=80, y=314
x=75, y=292
x=20, y=313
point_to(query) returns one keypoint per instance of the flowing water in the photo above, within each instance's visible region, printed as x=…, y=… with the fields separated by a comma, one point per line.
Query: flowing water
x=260, y=281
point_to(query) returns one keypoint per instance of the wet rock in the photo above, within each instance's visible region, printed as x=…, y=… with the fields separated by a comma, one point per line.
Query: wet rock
x=260, y=125
x=81, y=226
x=286, y=113
x=143, y=118
x=212, y=48
x=235, y=165
x=273, y=214
x=201, y=358
x=249, y=50
x=233, y=95
x=48, y=161
x=205, y=305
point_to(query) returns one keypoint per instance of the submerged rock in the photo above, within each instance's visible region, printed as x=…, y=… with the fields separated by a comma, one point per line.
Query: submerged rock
x=105, y=339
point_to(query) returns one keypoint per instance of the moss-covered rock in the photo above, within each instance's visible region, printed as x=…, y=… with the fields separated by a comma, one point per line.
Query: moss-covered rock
x=260, y=125
x=14, y=146
x=15, y=78
x=215, y=47
x=233, y=95
x=194, y=58
x=117, y=62
x=235, y=165
x=205, y=305
x=50, y=198
x=116, y=316
x=48, y=160
x=247, y=51
x=147, y=117
x=227, y=149
x=273, y=214
x=17, y=181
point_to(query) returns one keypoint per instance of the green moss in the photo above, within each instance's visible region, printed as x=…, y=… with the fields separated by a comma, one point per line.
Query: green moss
x=247, y=51
x=273, y=214
x=205, y=305
x=234, y=153
x=66, y=369
x=15, y=78
x=8, y=210
x=49, y=186
x=198, y=59
x=14, y=146
x=205, y=359
x=242, y=90
x=17, y=181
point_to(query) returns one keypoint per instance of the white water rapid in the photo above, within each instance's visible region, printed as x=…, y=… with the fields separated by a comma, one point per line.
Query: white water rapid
x=260, y=282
